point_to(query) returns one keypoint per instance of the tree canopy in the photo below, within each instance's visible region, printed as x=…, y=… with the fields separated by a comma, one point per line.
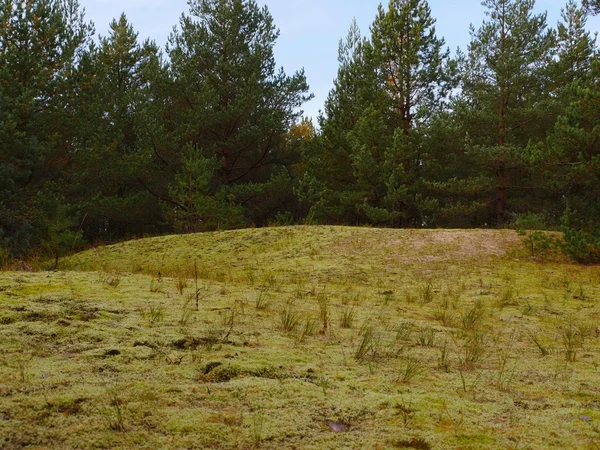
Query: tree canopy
x=103, y=138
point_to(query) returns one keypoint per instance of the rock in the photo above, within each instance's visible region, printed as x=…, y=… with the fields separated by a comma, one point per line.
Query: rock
x=337, y=426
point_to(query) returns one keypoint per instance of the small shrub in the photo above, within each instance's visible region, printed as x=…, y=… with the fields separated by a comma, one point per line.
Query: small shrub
x=470, y=386
x=443, y=312
x=539, y=343
x=323, y=301
x=426, y=338
x=426, y=292
x=581, y=243
x=114, y=411
x=366, y=347
x=289, y=317
x=229, y=318
x=538, y=243
x=444, y=359
x=355, y=298
x=156, y=285
x=581, y=246
x=270, y=281
x=154, y=314
x=406, y=411
x=347, y=318
x=507, y=298
x=187, y=311
x=261, y=302
x=409, y=297
x=572, y=340
x=412, y=367
x=310, y=328
x=473, y=317
x=580, y=294
x=404, y=332
x=530, y=221
x=505, y=374
x=228, y=323
x=181, y=284
x=473, y=349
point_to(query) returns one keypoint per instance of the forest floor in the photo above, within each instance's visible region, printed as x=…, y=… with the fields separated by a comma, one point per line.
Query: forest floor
x=306, y=338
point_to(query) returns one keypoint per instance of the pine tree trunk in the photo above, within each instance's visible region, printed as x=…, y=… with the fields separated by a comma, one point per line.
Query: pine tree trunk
x=501, y=194
x=500, y=172
x=502, y=103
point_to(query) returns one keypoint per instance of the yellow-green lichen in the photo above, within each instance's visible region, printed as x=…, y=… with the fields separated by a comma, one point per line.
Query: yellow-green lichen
x=464, y=343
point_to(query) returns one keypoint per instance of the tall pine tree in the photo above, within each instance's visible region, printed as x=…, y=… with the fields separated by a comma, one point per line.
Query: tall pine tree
x=386, y=92
x=574, y=147
x=329, y=184
x=232, y=110
x=40, y=42
x=106, y=168
x=506, y=87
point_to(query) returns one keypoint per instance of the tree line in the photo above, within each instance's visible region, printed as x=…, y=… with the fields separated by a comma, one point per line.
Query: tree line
x=106, y=138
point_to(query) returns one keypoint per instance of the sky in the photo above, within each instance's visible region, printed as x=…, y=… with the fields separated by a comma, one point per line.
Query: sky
x=310, y=30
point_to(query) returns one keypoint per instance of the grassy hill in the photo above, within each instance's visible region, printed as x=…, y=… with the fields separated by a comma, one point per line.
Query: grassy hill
x=304, y=337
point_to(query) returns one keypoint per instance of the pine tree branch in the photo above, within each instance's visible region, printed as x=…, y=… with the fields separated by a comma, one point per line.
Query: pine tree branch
x=159, y=197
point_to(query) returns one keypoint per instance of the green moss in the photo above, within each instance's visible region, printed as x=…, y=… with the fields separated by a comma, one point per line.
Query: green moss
x=77, y=349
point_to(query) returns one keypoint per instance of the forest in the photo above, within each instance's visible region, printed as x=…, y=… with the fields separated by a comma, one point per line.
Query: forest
x=103, y=139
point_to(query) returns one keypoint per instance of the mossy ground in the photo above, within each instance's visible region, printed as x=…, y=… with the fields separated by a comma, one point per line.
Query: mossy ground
x=305, y=337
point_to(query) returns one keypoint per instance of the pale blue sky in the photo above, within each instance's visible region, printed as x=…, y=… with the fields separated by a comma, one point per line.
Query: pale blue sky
x=310, y=29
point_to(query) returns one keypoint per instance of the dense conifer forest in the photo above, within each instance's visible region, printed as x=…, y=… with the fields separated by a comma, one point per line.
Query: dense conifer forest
x=106, y=137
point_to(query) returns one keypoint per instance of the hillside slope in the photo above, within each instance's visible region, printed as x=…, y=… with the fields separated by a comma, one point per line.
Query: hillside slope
x=304, y=337
x=327, y=250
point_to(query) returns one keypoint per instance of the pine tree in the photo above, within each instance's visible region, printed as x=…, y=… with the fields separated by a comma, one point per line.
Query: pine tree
x=412, y=62
x=231, y=103
x=106, y=167
x=576, y=46
x=329, y=184
x=40, y=42
x=385, y=94
x=506, y=90
x=592, y=6
x=574, y=167
x=417, y=75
